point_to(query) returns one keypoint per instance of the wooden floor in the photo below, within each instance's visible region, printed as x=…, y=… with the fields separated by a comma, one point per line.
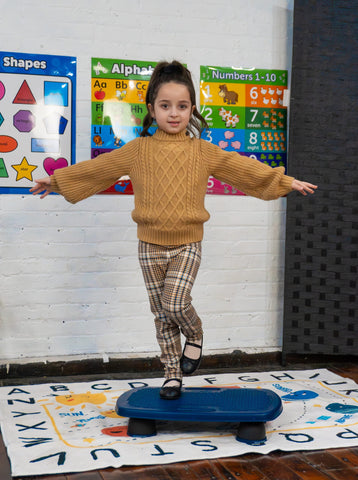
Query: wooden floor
x=337, y=464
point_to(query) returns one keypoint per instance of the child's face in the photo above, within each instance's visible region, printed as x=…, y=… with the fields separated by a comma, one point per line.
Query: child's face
x=172, y=108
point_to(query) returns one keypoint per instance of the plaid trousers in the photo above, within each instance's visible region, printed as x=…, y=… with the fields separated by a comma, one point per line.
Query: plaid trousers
x=169, y=274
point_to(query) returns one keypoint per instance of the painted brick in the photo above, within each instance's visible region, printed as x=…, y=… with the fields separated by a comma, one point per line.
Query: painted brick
x=71, y=283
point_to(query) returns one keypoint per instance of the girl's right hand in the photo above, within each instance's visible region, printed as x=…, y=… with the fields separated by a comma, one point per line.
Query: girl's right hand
x=42, y=185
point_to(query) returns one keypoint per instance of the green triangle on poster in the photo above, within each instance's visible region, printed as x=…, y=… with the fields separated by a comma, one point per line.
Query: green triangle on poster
x=24, y=95
x=3, y=171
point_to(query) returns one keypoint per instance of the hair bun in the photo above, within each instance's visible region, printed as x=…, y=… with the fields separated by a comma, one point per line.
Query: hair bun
x=172, y=69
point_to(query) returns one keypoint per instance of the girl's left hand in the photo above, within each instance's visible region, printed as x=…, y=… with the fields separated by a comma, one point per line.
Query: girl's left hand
x=303, y=187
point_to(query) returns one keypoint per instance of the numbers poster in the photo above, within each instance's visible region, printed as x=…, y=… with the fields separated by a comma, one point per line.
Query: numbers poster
x=37, y=117
x=118, y=107
x=245, y=112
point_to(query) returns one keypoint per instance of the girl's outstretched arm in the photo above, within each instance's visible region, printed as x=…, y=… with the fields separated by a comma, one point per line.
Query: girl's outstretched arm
x=303, y=187
x=42, y=185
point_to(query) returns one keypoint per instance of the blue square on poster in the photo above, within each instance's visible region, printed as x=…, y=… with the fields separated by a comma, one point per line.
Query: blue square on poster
x=56, y=93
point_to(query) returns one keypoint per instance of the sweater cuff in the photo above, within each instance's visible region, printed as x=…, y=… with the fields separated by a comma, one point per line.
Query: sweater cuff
x=54, y=184
x=287, y=184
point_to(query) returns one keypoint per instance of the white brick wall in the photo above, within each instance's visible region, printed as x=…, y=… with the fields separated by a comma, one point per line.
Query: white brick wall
x=70, y=280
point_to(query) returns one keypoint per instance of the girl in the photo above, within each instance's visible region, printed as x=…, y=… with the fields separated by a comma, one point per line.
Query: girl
x=169, y=172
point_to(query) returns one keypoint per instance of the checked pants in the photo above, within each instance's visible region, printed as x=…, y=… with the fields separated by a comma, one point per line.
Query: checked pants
x=169, y=274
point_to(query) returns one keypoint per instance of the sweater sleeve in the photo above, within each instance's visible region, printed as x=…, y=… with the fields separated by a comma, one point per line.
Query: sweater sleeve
x=84, y=179
x=248, y=175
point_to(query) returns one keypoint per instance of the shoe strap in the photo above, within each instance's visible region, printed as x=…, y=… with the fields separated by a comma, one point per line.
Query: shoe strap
x=172, y=380
x=193, y=345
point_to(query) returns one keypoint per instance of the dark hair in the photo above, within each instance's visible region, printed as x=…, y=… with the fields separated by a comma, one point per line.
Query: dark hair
x=166, y=72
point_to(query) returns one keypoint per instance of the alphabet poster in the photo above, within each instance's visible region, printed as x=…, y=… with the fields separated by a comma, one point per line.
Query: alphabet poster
x=246, y=113
x=73, y=427
x=37, y=117
x=118, y=107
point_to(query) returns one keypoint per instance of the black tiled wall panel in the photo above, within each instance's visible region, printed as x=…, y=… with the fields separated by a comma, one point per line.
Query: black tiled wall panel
x=320, y=301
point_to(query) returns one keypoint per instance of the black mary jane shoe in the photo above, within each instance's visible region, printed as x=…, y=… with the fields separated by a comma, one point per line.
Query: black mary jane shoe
x=188, y=365
x=172, y=392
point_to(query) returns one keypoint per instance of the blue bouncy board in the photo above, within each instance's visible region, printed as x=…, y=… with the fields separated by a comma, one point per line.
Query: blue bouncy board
x=250, y=406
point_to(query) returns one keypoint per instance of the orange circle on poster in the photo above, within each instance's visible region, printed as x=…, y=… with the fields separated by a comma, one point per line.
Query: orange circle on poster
x=7, y=144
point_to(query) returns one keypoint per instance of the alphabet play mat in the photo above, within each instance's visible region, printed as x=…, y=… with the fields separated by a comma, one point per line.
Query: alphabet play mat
x=73, y=427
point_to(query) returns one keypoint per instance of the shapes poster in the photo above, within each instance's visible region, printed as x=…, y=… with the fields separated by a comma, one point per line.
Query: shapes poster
x=246, y=113
x=118, y=107
x=37, y=117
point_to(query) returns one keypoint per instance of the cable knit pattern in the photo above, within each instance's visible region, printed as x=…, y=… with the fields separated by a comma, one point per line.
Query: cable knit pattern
x=169, y=174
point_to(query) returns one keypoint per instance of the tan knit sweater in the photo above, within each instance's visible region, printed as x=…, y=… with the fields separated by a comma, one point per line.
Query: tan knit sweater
x=169, y=174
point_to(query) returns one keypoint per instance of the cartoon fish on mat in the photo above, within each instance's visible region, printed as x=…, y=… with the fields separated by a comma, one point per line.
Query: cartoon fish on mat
x=300, y=395
x=341, y=408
